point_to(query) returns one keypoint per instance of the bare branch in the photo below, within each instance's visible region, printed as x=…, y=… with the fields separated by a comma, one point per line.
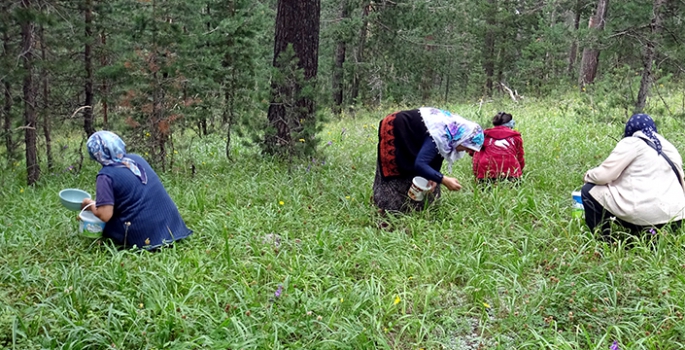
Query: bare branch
x=511, y=93
x=78, y=110
x=656, y=88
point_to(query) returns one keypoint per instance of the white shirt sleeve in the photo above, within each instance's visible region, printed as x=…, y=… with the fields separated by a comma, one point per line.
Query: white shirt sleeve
x=623, y=154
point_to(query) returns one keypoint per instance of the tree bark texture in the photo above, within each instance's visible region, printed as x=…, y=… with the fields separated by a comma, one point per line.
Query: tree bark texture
x=489, y=45
x=88, y=66
x=105, y=89
x=297, y=24
x=590, y=60
x=648, y=58
x=573, y=51
x=7, y=120
x=428, y=77
x=7, y=107
x=228, y=117
x=32, y=167
x=338, y=72
x=359, y=54
x=45, y=103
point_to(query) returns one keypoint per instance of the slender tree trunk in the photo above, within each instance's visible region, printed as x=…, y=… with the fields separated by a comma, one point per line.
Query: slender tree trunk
x=447, y=80
x=500, y=69
x=7, y=122
x=202, y=122
x=489, y=45
x=590, y=60
x=338, y=72
x=45, y=104
x=573, y=51
x=104, y=86
x=549, y=67
x=465, y=65
x=159, y=127
x=648, y=58
x=203, y=126
x=7, y=107
x=228, y=117
x=32, y=167
x=88, y=63
x=428, y=77
x=359, y=54
x=297, y=24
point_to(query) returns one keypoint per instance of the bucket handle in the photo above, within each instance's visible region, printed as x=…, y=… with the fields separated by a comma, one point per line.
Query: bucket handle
x=86, y=207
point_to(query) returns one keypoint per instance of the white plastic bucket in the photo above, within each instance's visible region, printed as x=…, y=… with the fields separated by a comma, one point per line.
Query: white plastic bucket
x=89, y=225
x=419, y=188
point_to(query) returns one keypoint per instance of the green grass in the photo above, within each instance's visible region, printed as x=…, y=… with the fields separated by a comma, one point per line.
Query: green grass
x=505, y=268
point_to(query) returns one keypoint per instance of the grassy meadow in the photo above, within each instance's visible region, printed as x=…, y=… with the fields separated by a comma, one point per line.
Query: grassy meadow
x=505, y=268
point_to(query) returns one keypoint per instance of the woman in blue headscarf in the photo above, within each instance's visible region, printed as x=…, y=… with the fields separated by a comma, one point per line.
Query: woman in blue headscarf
x=130, y=198
x=640, y=184
x=415, y=143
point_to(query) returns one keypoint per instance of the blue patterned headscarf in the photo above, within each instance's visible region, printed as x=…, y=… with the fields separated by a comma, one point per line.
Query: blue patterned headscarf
x=109, y=149
x=449, y=131
x=644, y=123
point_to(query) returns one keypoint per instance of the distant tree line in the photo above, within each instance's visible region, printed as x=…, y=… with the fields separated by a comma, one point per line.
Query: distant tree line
x=153, y=67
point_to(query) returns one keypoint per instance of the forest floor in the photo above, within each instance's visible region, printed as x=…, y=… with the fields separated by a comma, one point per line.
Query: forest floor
x=505, y=267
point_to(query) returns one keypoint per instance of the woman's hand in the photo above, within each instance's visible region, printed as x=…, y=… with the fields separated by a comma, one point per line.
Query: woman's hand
x=451, y=183
x=103, y=212
x=432, y=185
x=87, y=201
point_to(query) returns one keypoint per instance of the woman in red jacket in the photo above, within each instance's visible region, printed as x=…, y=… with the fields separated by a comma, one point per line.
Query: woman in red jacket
x=501, y=156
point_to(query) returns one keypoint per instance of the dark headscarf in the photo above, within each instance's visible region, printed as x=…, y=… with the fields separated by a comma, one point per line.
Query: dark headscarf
x=644, y=123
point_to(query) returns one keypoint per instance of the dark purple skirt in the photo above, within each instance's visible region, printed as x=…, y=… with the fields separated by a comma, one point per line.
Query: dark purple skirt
x=391, y=194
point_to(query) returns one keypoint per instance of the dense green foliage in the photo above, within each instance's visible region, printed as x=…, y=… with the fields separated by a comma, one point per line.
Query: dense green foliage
x=159, y=66
x=502, y=268
x=188, y=84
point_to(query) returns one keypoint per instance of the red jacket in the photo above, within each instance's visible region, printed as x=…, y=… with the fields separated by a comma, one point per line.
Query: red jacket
x=501, y=155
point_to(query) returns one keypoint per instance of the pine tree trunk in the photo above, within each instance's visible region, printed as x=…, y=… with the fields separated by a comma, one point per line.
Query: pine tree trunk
x=649, y=55
x=158, y=126
x=338, y=72
x=590, y=60
x=88, y=63
x=489, y=45
x=32, y=167
x=45, y=104
x=447, y=79
x=7, y=122
x=573, y=51
x=359, y=54
x=7, y=107
x=500, y=70
x=297, y=24
x=228, y=118
x=104, y=86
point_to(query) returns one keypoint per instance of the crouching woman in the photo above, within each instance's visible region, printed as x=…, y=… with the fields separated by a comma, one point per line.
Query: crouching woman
x=640, y=184
x=415, y=143
x=130, y=198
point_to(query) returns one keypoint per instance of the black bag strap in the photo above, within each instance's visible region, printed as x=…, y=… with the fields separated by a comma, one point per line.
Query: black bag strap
x=675, y=170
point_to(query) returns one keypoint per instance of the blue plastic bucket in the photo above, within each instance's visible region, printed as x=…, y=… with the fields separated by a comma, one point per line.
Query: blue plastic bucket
x=577, y=210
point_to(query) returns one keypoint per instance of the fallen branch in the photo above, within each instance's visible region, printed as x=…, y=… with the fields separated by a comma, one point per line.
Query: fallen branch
x=511, y=93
